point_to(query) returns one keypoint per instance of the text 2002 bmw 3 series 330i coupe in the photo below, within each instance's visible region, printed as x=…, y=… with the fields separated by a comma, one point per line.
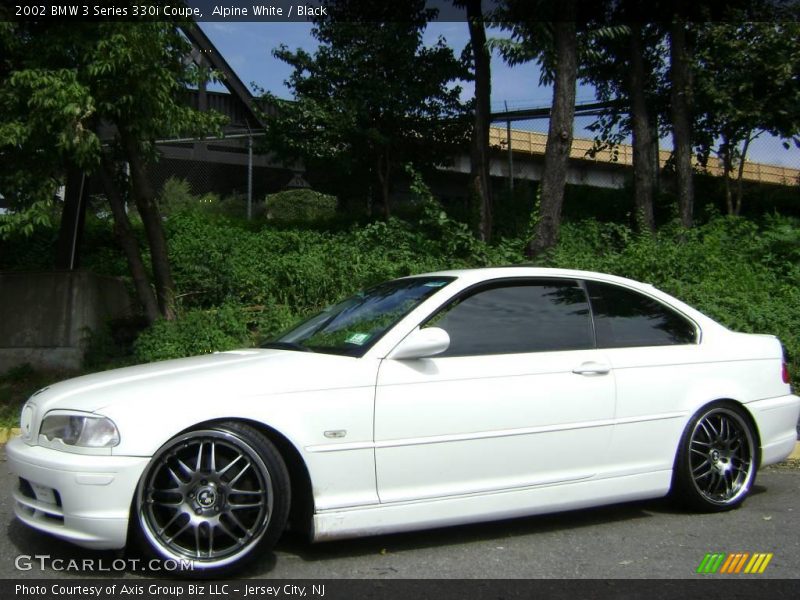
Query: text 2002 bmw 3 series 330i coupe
x=427, y=401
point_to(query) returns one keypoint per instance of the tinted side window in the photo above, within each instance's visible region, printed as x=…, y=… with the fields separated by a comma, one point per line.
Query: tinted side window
x=520, y=317
x=623, y=318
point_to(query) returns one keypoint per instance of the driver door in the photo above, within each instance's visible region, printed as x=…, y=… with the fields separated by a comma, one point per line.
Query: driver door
x=521, y=397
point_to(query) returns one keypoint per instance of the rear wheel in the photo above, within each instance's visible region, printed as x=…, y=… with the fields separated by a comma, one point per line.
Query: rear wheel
x=717, y=459
x=213, y=497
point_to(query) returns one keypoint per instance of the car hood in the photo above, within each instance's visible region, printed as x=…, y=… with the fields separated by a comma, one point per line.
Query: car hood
x=250, y=372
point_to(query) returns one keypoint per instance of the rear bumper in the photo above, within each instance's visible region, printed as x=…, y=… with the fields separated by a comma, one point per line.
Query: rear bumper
x=776, y=419
x=84, y=499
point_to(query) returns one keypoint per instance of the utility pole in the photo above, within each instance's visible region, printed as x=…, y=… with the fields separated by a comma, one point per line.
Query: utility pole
x=249, y=177
x=510, y=152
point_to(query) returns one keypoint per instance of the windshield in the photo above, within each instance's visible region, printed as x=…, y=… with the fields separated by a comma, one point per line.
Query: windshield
x=352, y=326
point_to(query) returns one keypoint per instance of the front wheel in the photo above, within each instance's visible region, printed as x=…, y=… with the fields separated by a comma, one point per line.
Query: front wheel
x=716, y=463
x=210, y=497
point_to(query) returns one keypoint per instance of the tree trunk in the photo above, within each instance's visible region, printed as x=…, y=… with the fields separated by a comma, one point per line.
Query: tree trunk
x=127, y=241
x=681, y=97
x=559, y=135
x=151, y=219
x=479, y=157
x=643, y=159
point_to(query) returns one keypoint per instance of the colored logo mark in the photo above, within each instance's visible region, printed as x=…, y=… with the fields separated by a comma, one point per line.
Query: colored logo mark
x=737, y=562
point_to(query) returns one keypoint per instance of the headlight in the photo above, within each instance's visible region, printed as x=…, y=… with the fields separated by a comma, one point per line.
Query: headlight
x=80, y=430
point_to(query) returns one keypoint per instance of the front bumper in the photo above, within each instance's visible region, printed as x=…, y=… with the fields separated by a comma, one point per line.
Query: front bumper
x=85, y=499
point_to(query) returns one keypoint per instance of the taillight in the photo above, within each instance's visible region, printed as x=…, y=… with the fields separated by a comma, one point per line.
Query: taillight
x=785, y=373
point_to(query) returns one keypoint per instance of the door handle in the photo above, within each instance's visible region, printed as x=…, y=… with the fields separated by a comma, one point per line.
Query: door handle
x=592, y=368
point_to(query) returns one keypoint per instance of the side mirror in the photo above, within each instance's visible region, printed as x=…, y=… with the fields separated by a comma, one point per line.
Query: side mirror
x=421, y=343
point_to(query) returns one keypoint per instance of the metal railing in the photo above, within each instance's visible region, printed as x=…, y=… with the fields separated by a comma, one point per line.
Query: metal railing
x=534, y=142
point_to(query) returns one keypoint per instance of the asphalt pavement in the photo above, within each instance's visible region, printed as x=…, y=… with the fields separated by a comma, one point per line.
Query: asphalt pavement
x=637, y=540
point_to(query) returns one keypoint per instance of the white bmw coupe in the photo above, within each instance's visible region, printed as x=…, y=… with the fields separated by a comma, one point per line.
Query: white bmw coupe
x=427, y=401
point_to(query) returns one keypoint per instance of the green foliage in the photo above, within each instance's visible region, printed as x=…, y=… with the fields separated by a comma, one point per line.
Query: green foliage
x=452, y=237
x=746, y=82
x=44, y=118
x=370, y=98
x=59, y=82
x=200, y=331
x=110, y=346
x=35, y=251
x=21, y=250
x=177, y=196
x=24, y=221
x=196, y=332
x=300, y=206
x=219, y=260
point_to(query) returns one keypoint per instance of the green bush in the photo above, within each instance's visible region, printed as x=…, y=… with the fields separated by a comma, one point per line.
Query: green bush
x=176, y=196
x=200, y=331
x=196, y=332
x=300, y=206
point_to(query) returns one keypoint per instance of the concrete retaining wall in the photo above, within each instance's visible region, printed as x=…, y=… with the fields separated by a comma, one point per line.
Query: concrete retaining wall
x=45, y=318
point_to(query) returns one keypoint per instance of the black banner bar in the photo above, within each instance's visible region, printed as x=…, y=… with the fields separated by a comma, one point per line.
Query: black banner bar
x=709, y=588
x=372, y=10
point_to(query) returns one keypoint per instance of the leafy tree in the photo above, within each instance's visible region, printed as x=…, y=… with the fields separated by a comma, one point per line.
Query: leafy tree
x=371, y=98
x=746, y=84
x=43, y=114
x=87, y=96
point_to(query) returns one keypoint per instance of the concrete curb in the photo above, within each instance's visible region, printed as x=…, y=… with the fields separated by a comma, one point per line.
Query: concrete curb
x=795, y=455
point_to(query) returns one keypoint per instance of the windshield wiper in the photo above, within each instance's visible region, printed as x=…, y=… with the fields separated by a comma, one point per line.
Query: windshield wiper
x=286, y=346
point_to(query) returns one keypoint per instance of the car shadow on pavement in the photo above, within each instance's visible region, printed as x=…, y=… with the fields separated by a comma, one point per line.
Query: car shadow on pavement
x=298, y=545
x=666, y=506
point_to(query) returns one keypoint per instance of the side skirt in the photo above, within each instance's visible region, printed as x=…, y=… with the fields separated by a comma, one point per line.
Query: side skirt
x=444, y=512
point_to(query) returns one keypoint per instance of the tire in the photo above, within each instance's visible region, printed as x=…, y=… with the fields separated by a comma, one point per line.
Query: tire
x=216, y=496
x=717, y=459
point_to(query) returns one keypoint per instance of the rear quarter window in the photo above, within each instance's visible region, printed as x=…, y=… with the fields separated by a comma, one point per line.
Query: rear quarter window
x=626, y=318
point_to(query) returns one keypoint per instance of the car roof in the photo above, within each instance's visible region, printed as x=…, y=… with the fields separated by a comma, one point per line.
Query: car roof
x=489, y=273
